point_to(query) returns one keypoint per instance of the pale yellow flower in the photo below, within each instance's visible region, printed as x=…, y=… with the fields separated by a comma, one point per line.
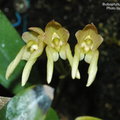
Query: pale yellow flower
x=30, y=52
x=87, y=48
x=87, y=118
x=56, y=39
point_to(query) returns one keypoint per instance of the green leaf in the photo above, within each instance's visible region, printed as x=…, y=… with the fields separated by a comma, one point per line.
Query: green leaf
x=30, y=104
x=51, y=115
x=10, y=44
x=87, y=118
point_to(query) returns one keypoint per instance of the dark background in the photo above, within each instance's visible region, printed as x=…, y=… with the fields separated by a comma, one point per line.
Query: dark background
x=72, y=98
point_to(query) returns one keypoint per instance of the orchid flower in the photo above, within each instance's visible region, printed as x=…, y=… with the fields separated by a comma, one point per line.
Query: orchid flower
x=56, y=38
x=30, y=52
x=87, y=48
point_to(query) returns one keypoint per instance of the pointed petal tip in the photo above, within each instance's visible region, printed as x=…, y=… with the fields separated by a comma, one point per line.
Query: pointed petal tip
x=49, y=71
x=91, y=79
x=24, y=78
x=23, y=82
x=8, y=72
x=78, y=75
x=73, y=72
x=73, y=75
x=88, y=84
x=92, y=70
x=49, y=80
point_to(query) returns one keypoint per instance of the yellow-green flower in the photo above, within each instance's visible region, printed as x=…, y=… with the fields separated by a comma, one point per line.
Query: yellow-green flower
x=87, y=48
x=30, y=52
x=56, y=39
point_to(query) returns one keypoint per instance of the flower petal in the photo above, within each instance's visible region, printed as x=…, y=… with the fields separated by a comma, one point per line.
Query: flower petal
x=27, y=70
x=92, y=70
x=39, y=31
x=63, y=34
x=63, y=52
x=88, y=57
x=14, y=63
x=50, y=29
x=97, y=40
x=26, y=54
x=89, y=31
x=54, y=54
x=90, y=26
x=70, y=59
x=66, y=53
x=29, y=64
x=53, y=25
x=28, y=36
x=36, y=30
x=50, y=64
x=77, y=75
x=76, y=59
x=80, y=35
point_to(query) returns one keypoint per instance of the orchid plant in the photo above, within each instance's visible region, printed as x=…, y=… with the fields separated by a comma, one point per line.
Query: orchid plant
x=54, y=39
